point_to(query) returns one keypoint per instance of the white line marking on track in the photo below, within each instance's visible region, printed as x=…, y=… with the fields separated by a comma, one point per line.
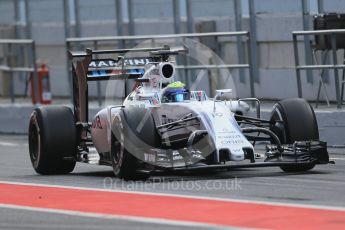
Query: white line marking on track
x=338, y=158
x=120, y=217
x=8, y=144
x=280, y=204
x=11, y=144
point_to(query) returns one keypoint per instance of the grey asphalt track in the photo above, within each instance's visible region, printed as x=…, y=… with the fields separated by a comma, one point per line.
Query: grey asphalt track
x=34, y=220
x=324, y=185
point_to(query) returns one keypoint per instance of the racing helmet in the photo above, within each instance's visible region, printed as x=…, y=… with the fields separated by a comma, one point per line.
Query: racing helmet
x=175, y=92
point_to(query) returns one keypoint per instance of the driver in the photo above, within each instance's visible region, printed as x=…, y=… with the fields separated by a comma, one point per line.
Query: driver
x=175, y=92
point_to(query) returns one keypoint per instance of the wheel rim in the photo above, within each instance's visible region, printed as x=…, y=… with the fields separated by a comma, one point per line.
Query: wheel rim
x=117, y=149
x=277, y=115
x=34, y=144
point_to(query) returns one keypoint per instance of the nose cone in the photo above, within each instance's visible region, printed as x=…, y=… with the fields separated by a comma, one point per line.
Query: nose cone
x=228, y=154
x=236, y=154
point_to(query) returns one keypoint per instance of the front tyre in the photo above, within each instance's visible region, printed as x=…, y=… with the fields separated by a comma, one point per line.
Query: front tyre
x=52, y=140
x=133, y=133
x=299, y=124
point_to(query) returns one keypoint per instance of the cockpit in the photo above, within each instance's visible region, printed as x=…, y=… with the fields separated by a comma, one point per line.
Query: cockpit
x=175, y=92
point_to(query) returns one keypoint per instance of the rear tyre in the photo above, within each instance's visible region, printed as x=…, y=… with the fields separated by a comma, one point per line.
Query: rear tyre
x=52, y=140
x=133, y=132
x=299, y=125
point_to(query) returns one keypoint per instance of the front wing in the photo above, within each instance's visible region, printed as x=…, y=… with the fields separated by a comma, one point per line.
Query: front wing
x=299, y=153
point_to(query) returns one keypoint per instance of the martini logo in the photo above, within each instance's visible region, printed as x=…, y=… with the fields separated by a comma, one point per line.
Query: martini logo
x=104, y=63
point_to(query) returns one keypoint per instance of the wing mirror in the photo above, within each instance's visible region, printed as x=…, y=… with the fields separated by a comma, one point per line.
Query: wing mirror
x=220, y=92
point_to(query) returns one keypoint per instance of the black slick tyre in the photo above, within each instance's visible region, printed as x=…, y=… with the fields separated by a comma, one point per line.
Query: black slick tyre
x=133, y=133
x=299, y=125
x=52, y=140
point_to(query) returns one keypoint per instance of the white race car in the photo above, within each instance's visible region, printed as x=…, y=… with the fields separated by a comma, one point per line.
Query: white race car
x=162, y=127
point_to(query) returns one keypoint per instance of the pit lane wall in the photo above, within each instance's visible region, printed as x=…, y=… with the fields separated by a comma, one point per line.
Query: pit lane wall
x=14, y=120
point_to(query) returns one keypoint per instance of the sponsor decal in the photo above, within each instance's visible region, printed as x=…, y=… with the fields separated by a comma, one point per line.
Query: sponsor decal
x=102, y=63
x=198, y=95
x=149, y=157
x=226, y=130
x=104, y=73
x=96, y=123
x=155, y=99
x=217, y=114
x=229, y=136
x=232, y=142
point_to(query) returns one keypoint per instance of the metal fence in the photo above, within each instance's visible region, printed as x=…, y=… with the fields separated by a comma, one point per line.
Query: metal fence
x=74, y=12
x=126, y=15
x=15, y=61
x=334, y=66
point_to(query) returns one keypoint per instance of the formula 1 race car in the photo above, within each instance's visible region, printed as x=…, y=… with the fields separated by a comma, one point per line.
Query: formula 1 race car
x=162, y=127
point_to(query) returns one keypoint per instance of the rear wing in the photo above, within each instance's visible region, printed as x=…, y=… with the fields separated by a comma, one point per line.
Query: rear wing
x=95, y=69
x=86, y=66
x=110, y=69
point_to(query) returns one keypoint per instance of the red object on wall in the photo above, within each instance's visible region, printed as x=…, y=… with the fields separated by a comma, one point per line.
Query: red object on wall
x=45, y=95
